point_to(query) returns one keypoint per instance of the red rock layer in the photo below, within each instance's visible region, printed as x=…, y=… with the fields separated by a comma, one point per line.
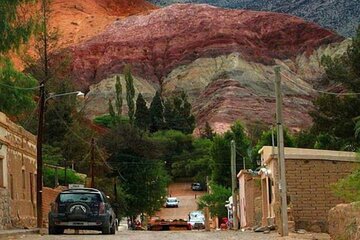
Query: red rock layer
x=156, y=43
x=225, y=100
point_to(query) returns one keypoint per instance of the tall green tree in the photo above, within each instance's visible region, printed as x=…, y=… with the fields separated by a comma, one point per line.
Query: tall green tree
x=207, y=132
x=177, y=114
x=221, y=153
x=15, y=29
x=118, y=96
x=142, y=116
x=16, y=96
x=130, y=93
x=111, y=109
x=215, y=200
x=136, y=158
x=334, y=116
x=156, y=114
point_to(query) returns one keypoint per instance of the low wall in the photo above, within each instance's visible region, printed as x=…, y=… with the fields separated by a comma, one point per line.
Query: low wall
x=49, y=196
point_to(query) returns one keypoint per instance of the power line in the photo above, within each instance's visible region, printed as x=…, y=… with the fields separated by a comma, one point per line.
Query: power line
x=28, y=120
x=315, y=90
x=19, y=88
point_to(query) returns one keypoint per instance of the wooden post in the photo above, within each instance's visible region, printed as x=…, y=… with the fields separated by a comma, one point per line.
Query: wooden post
x=234, y=184
x=281, y=154
x=207, y=219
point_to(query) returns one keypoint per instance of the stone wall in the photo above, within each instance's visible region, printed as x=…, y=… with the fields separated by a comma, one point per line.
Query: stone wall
x=5, y=218
x=309, y=190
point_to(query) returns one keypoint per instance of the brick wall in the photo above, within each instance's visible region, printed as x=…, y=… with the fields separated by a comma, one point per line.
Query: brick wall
x=309, y=188
x=49, y=196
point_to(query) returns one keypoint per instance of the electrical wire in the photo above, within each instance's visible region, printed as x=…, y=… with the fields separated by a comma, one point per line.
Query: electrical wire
x=319, y=91
x=28, y=120
x=107, y=164
x=18, y=88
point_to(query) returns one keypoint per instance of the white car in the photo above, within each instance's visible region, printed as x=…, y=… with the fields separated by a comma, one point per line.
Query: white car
x=172, y=202
x=197, y=220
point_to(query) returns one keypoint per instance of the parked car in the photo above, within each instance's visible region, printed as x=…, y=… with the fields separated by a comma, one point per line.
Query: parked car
x=172, y=202
x=82, y=208
x=197, y=187
x=196, y=220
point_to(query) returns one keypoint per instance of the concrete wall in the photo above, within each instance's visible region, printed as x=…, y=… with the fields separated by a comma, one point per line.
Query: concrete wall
x=18, y=155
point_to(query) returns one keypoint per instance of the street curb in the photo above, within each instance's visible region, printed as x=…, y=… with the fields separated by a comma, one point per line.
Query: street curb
x=13, y=232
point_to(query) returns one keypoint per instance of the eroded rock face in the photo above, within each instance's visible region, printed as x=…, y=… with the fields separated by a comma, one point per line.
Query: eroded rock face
x=222, y=58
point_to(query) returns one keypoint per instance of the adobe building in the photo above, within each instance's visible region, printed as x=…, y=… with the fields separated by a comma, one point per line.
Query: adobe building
x=309, y=176
x=17, y=175
x=249, y=198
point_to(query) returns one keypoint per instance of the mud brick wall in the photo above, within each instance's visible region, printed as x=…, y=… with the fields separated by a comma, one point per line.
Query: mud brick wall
x=309, y=190
x=49, y=196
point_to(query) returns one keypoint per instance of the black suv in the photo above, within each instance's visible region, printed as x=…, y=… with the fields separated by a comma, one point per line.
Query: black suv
x=82, y=208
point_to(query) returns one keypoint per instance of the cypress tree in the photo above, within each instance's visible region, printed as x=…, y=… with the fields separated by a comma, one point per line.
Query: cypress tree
x=178, y=114
x=156, y=114
x=141, y=113
x=208, y=132
x=118, y=96
x=130, y=94
x=111, y=109
x=169, y=115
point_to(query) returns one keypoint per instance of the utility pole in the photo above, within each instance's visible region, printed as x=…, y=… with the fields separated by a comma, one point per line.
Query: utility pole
x=92, y=163
x=39, y=160
x=65, y=172
x=207, y=216
x=281, y=154
x=234, y=184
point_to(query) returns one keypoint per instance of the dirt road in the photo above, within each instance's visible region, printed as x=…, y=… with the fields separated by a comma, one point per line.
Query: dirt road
x=175, y=235
x=187, y=199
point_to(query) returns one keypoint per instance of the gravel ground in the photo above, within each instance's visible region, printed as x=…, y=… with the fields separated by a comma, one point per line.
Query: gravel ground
x=175, y=235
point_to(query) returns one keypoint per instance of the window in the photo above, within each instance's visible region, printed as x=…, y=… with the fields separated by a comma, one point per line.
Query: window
x=79, y=197
x=31, y=187
x=2, y=172
x=23, y=179
x=11, y=186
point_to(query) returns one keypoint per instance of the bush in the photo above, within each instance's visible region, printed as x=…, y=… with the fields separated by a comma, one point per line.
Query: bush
x=215, y=200
x=71, y=177
x=110, y=121
x=348, y=188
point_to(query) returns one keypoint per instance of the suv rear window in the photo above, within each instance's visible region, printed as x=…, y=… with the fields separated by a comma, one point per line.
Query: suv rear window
x=79, y=197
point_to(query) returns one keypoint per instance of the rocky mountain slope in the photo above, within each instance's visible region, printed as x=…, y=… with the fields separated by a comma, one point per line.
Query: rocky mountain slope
x=222, y=58
x=343, y=16
x=79, y=20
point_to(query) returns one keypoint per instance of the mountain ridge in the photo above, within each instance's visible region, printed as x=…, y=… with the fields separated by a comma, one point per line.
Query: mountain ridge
x=222, y=58
x=343, y=16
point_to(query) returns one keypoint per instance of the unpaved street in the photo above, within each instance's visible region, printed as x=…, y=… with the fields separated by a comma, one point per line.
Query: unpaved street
x=175, y=235
x=187, y=199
